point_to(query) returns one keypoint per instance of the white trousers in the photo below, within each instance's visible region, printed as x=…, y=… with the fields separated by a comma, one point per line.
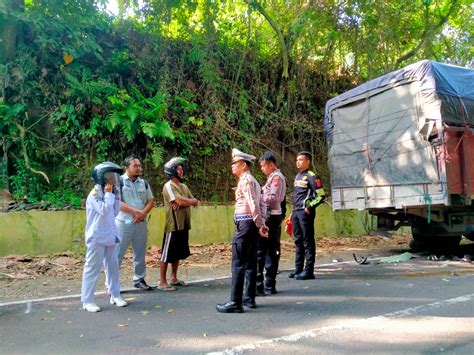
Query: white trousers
x=96, y=256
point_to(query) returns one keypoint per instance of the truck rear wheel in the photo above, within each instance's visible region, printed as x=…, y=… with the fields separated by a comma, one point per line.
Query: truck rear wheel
x=429, y=237
x=446, y=244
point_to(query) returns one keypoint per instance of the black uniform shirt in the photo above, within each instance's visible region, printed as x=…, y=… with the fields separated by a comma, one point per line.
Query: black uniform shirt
x=307, y=190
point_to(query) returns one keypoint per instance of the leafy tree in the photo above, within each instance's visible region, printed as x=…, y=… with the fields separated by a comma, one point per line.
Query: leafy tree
x=194, y=78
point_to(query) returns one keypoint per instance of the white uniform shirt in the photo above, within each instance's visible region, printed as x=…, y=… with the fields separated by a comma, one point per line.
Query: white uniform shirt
x=101, y=210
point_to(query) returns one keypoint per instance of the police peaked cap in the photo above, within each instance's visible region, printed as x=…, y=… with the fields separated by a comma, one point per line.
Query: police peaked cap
x=237, y=155
x=172, y=165
x=102, y=168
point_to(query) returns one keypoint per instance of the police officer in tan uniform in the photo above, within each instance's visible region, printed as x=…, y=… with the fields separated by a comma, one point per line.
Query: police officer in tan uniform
x=274, y=208
x=249, y=224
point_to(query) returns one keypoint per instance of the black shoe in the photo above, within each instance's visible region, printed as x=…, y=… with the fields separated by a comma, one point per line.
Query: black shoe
x=305, y=275
x=249, y=304
x=260, y=292
x=293, y=274
x=229, y=307
x=142, y=286
x=271, y=290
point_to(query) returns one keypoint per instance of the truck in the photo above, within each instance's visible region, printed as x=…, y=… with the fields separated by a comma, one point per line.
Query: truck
x=401, y=147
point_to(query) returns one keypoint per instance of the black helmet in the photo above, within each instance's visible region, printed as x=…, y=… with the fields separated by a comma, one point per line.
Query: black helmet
x=171, y=167
x=100, y=177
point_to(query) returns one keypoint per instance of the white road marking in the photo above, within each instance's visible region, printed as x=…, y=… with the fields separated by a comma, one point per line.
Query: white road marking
x=347, y=325
x=55, y=298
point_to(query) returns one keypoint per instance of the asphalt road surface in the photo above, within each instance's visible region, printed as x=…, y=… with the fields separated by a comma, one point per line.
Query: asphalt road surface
x=412, y=307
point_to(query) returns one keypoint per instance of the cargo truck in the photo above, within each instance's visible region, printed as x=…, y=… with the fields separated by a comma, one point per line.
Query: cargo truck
x=402, y=148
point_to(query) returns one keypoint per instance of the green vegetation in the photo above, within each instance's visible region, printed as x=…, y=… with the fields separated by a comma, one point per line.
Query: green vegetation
x=194, y=78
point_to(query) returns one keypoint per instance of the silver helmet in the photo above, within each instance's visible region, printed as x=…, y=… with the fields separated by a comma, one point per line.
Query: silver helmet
x=171, y=167
x=107, y=173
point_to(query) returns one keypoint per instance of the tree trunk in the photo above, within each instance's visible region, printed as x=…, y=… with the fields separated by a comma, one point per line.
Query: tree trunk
x=4, y=167
x=10, y=35
x=10, y=29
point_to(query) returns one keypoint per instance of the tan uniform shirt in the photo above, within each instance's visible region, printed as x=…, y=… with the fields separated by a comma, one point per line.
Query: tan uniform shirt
x=274, y=193
x=247, y=198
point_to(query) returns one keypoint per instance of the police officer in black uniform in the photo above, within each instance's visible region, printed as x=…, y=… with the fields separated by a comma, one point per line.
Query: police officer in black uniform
x=308, y=193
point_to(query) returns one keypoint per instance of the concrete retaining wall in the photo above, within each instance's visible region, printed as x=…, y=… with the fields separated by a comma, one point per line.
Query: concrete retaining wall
x=45, y=232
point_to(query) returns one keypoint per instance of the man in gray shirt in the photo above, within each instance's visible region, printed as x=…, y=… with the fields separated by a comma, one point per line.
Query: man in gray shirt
x=137, y=202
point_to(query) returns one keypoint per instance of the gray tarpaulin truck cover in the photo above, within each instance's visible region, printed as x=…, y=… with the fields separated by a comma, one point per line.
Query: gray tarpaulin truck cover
x=381, y=132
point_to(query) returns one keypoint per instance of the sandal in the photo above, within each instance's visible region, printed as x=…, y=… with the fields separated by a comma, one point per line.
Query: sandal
x=166, y=288
x=178, y=283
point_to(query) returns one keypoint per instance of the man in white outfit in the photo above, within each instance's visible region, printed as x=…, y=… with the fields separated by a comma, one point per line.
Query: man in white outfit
x=102, y=205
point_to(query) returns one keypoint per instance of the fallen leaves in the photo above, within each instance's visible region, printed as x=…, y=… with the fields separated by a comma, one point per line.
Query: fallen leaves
x=21, y=267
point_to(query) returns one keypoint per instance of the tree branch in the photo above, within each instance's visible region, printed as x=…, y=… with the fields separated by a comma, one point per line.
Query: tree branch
x=281, y=39
x=425, y=35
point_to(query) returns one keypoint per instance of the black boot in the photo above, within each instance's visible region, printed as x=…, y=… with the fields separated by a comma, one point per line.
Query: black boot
x=229, y=307
x=294, y=273
x=260, y=290
x=305, y=275
x=249, y=303
x=271, y=290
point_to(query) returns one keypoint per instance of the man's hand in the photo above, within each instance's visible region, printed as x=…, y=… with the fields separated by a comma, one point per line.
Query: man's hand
x=263, y=231
x=137, y=220
x=139, y=214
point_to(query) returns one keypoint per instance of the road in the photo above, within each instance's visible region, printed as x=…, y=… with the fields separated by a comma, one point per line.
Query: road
x=418, y=306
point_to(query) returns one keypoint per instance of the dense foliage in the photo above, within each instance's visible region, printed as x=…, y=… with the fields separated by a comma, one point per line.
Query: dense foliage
x=194, y=78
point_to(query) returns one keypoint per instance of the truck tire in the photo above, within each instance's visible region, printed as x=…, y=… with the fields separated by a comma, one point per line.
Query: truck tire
x=432, y=238
x=444, y=244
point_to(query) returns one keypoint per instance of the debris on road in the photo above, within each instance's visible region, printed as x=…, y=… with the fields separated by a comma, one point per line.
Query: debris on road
x=364, y=260
x=396, y=258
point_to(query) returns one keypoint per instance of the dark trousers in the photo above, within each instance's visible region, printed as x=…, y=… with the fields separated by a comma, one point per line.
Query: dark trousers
x=268, y=254
x=244, y=261
x=303, y=232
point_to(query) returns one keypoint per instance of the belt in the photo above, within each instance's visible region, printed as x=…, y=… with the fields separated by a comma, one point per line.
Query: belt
x=242, y=217
x=275, y=212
